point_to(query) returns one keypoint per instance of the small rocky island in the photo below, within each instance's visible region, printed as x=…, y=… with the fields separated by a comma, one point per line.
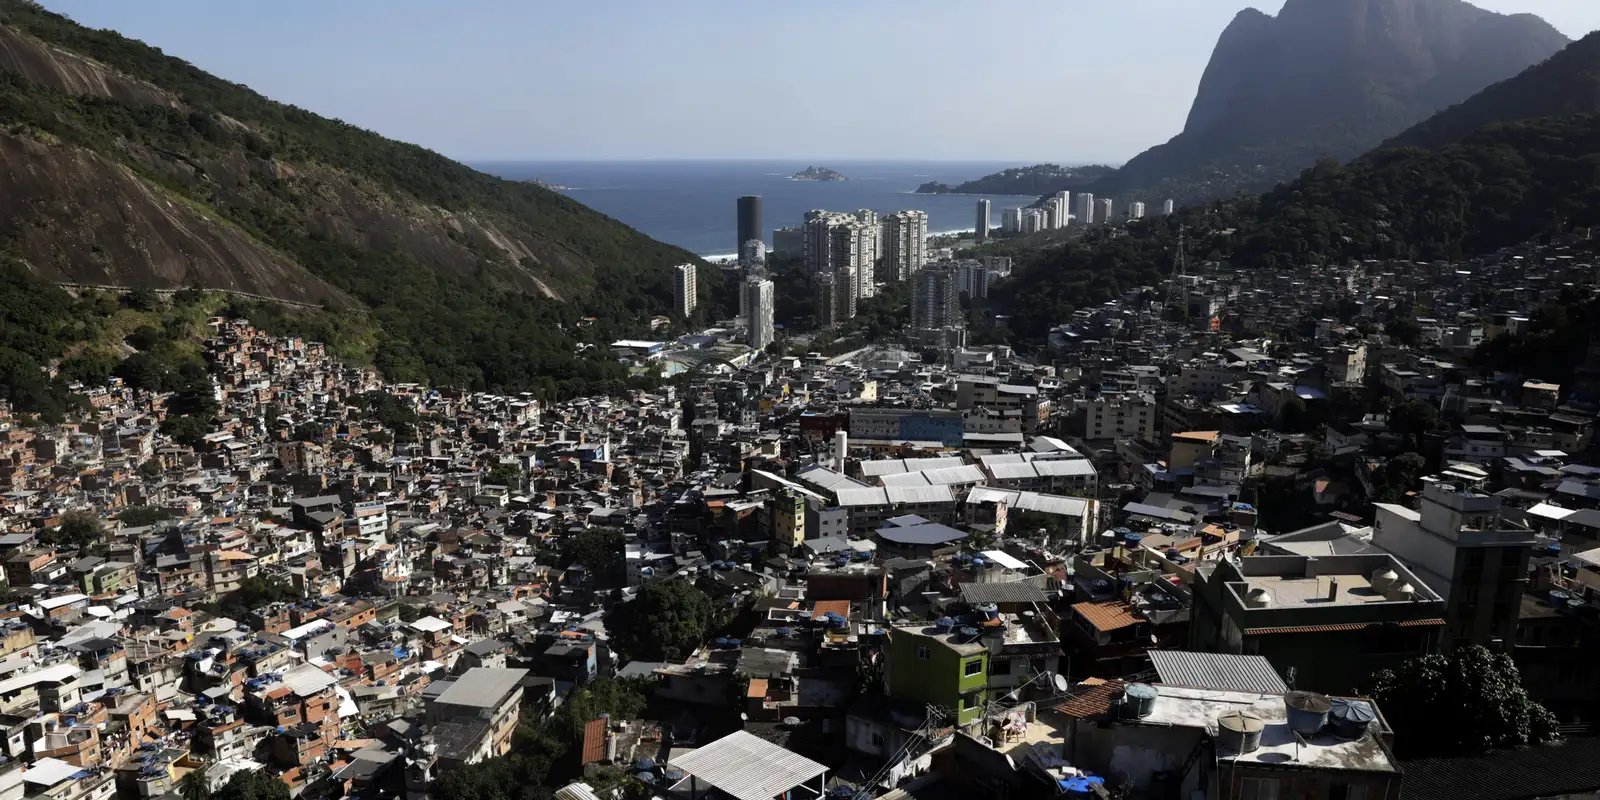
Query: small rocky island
x=815, y=173
x=554, y=187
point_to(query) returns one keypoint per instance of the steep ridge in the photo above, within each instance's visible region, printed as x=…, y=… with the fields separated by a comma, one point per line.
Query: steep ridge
x=124, y=166
x=1327, y=78
x=1567, y=83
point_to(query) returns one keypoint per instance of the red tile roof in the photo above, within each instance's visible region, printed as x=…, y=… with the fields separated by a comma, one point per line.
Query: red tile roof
x=1108, y=615
x=594, y=741
x=1091, y=700
x=1342, y=626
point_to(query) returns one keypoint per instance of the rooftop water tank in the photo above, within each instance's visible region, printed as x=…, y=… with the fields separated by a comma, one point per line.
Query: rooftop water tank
x=943, y=624
x=1401, y=591
x=1383, y=579
x=1239, y=732
x=1351, y=717
x=1138, y=700
x=1257, y=598
x=1307, y=711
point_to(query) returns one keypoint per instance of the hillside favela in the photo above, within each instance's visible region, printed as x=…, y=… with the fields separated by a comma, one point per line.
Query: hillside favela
x=699, y=400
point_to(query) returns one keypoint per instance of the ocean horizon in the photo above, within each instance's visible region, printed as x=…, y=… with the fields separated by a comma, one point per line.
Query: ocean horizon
x=690, y=202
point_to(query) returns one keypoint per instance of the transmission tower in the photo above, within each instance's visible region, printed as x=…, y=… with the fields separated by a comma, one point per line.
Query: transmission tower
x=1176, y=293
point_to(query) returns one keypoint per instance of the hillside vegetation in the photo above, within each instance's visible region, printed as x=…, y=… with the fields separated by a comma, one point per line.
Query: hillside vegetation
x=1500, y=186
x=125, y=167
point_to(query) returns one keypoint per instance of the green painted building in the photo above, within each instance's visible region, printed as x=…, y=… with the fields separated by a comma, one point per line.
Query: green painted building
x=942, y=667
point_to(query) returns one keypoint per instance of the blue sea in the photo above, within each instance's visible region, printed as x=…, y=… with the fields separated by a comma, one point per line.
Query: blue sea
x=690, y=203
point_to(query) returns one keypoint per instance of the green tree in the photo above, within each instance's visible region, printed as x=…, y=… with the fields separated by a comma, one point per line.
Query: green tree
x=1414, y=419
x=193, y=786
x=1405, y=330
x=667, y=621
x=1398, y=476
x=1465, y=702
x=78, y=530
x=185, y=430
x=502, y=474
x=253, y=785
x=139, y=516
x=598, y=550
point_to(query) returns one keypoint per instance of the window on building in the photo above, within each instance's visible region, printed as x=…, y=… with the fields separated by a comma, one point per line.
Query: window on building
x=999, y=666
x=877, y=739
x=974, y=667
x=923, y=652
x=1258, y=789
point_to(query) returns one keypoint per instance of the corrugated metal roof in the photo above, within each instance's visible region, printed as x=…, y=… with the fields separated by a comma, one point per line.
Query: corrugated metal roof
x=748, y=767
x=1221, y=671
x=1007, y=592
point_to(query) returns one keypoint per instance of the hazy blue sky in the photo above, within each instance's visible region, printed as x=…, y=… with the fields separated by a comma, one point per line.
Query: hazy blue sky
x=1073, y=80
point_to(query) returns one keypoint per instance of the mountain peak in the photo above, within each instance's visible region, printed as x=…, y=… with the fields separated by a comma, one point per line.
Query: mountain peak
x=1328, y=78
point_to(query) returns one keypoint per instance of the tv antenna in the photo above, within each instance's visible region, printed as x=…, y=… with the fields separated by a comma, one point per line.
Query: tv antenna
x=1176, y=293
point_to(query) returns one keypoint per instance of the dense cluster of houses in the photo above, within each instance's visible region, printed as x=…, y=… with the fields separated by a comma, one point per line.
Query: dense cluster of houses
x=1027, y=577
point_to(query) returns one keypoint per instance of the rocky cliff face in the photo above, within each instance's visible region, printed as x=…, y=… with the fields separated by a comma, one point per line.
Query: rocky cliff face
x=1328, y=78
x=1566, y=83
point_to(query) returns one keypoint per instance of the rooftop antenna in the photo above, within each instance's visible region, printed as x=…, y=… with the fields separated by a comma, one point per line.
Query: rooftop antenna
x=1180, y=270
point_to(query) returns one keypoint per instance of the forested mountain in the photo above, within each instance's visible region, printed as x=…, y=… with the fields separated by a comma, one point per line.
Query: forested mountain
x=1500, y=186
x=1038, y=179
x=122, y=166
x=1567, y=83
x=1327, y=79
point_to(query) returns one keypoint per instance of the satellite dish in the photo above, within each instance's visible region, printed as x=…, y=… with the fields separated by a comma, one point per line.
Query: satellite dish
x=743, y=717
x=1061, y=684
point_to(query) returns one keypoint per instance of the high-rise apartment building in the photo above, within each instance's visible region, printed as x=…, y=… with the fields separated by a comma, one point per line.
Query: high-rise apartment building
x=1136, y=210
x=1086, y=208
x=1011, y=220
x=1168, y=207
x=1032, y=220
x=835, y=298
x=1060, y=212
x=835, y=241
x=905, y=245
x=1064, y=197
x=789, y=242
x=1105, y=210
x=749, y=222
x=759, y=301
x=753, y=253
x=685, y=289
x=980, y=228
x=935, y=298
x=972, y=279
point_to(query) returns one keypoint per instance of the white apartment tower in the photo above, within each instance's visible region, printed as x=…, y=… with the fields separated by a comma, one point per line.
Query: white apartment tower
x=1167, y=207
x=905, y=245
x=1011, y=220
x=759, y=300
x=1032, y=220
x=980, y=228
x=1063, y=210
x=685, y=291
x=1105, y=210
x=1136, y=210
x=1086, y=208
x=835, y=242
